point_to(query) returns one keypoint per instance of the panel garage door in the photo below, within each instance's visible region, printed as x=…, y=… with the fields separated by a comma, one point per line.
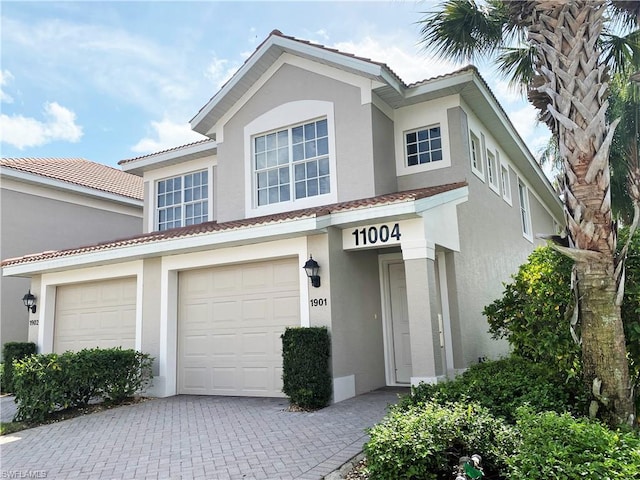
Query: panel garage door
x=229, y=324
x=95, y=314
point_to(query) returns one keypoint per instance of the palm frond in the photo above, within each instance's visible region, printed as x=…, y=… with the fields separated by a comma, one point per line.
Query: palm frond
x=461, y=30
x=518, y=65
x=621, y=53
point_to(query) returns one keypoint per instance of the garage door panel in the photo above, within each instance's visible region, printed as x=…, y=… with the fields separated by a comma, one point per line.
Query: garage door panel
x=96, y=314
x=243, y=325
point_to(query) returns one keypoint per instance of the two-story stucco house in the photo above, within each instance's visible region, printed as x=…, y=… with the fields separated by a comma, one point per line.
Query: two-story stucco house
x=54, y=203
x=416, y=201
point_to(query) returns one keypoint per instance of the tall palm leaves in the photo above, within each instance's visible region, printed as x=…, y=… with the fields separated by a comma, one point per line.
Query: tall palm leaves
x=559, y=56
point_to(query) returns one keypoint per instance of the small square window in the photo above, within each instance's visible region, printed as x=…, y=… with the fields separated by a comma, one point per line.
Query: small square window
x=423, y=146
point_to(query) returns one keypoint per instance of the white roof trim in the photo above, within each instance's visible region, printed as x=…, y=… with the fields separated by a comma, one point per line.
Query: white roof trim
x=38, y=179
x=155, y=158
x=243, y=235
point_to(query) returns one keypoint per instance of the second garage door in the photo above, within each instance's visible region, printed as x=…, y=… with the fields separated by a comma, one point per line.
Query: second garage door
x=229, y=324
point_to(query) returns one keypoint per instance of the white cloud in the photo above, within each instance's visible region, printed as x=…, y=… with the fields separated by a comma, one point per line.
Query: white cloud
x=504, y=93
x=5, y=78
x=220, y=70
x=166, y=134
x=59, y=124
x=401, y=54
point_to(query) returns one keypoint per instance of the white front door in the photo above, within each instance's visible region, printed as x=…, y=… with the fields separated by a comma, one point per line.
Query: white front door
x=399, y=323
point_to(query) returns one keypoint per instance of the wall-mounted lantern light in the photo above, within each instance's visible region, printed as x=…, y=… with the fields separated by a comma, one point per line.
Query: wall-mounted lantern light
x=312, y=267
x=29, y=301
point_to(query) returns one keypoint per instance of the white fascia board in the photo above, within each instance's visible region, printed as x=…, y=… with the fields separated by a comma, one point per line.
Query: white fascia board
x=441, y=84
x=170, y=246
x=68, y=186
x=399, y=210
x=294, y=47
x=511, y=130
x=158, y=159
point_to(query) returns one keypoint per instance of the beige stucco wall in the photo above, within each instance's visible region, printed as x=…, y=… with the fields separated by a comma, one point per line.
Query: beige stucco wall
x=353, y=142
x=32, y=222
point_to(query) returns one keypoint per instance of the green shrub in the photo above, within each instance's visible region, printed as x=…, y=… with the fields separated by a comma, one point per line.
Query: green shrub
x=561, y=447
x=426, y=441
x=504, y=385
x=305, y=361
x=51, y=382
x=532, y=313
x=10, y=352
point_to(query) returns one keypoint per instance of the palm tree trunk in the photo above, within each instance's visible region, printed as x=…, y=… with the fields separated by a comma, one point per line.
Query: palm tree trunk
x=571, y=87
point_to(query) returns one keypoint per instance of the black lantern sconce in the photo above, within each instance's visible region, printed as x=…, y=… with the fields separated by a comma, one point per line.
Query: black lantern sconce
x=312, y=267
x=29, y=301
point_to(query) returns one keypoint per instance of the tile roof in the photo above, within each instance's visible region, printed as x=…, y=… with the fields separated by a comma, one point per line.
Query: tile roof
x=213, y=227
x=127, y=160
x=79, y=171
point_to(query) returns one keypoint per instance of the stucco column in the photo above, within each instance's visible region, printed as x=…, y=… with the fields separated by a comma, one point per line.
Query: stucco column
x=418, y=263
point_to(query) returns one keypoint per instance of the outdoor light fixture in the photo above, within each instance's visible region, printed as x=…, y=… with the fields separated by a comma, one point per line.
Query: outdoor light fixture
x=29, y=301
x=312, y=267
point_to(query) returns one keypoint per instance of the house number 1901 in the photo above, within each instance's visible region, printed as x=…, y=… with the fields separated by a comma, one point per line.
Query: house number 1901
x=319, y=302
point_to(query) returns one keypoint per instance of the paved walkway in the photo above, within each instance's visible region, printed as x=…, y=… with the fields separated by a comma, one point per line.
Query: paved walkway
x=196, y=437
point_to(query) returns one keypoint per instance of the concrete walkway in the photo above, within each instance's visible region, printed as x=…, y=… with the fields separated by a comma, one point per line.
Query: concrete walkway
x=196, y=437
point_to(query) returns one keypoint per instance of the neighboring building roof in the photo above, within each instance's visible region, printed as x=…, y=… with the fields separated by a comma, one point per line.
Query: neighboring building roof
x=81, y=172
x=214, y=227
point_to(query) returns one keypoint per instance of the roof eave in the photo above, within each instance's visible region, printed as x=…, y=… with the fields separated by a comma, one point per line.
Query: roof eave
x=35, y=179
x=140, y=165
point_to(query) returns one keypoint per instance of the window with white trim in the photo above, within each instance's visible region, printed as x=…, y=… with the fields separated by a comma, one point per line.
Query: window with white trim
x=182, y=200
x=423, y=145
x=292, y=163
x=506, y=183
x=525, y=212
x=476, y=156
x=492, y=171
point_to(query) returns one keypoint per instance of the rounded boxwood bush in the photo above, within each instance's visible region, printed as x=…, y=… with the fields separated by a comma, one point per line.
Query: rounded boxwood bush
x=426, y=441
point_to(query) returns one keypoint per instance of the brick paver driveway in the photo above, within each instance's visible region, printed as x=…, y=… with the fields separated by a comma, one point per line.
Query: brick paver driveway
x=186, y=437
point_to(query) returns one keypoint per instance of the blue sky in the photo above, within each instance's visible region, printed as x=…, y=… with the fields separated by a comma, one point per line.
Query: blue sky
x=108, y=81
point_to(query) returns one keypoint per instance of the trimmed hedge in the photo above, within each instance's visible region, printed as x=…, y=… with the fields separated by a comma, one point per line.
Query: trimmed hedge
x=305, y=361
x=46, y=383
x=504, y=385
x=10, y=352
x=426, y=441
x=562, y=447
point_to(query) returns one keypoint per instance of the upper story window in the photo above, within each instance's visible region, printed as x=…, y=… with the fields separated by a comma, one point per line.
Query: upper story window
x=525, y=212
x=476, y=156
x=182, y=200
x=423, y=145
x=506, y=183
x=492, y=171
x=292, y=163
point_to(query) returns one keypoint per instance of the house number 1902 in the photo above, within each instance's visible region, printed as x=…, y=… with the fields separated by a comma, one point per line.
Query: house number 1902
x=319, y=302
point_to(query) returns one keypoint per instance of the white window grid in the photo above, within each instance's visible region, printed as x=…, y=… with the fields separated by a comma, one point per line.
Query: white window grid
x=298, y=156
x=492, y=171
x=182, y=200
x=505, y=181
x=423, y=145
x=476, y=155
x=525, y=212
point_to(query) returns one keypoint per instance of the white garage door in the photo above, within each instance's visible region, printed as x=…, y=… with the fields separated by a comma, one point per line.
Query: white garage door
x=95, y=314
x=229, y=324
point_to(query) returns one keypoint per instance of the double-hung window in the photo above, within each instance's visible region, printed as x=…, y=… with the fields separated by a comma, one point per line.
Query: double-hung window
x=506, y=183
x=492, y=171
x=291, y=164
x=476, y=156
x=182, y=200
x=423, y=145
x=525, y=212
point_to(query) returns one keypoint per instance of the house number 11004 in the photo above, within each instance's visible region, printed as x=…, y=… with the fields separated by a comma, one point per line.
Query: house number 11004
x=373, y=235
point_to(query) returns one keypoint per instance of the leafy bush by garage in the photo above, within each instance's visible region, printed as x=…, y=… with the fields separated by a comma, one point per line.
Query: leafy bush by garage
x=561, y=447
x=306, y=375
x=504, y=385
x=46, y=383
x=426, y=441
x=10, y=352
